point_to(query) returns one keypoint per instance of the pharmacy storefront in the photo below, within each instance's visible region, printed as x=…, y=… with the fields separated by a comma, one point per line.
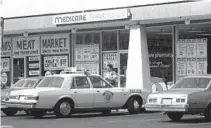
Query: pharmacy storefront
x=142, y=45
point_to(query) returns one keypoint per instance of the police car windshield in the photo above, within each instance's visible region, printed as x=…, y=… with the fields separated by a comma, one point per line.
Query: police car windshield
x=53, y=82
x=192, y=83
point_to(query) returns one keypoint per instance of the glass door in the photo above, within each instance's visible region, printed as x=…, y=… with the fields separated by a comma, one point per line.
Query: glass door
x=18, y=69
x=123, y=68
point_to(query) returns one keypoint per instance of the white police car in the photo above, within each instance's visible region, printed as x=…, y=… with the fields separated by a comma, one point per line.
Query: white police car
x=65, y=94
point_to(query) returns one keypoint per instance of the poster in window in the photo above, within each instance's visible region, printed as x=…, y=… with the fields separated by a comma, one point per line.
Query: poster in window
x=191, y=67
x=181, y=67
x=5, y=64
x=202, y=66
x=110, y=58
x=94, y=52
x=201, y=48
x=86, y=53
x=34, y=72
x=78, y=54
x=55, y=62
x=181, y=49
x=191, y=48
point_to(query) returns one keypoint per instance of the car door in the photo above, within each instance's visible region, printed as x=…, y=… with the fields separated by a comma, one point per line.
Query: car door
x=104, y=95
x=82, y=93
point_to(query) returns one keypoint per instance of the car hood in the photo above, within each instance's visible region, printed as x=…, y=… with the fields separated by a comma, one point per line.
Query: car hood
x=33, y=91
x=175, y=92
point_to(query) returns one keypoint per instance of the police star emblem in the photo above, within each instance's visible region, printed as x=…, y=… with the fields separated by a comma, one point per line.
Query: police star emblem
x=108, y=95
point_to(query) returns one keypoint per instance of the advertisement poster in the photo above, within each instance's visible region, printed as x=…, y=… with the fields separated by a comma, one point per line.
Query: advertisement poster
x=23, y=46
x=191, y=67
x=5, y=64
x=191, y=48
x=34, y=65
x=94, y=52
x=110, y=58
x=93, y=68
x=78, y=54
x=202, y=66
x=181, y=49
x=55, y=62
x=201, y=48
x=6, y=47
x=86, y=54
x=34, y=72
x=181, y=67
x=55, y=44
x=34, y=58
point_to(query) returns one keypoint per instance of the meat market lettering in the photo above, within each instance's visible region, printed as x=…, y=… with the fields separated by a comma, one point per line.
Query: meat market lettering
x=25, y=44
x=54, y=43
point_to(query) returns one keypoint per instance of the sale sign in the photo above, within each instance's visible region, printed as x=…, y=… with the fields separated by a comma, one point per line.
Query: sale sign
x=55, y=62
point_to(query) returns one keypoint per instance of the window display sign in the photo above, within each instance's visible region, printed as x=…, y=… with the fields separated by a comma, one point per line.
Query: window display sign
x=26, y=46
x=196, y=57
x=55, y=44
x=34, y=72
x=6, y=47
x=93, y=68
x=181, y=49
x=5, y=64
x=181, y=67
x=34, y=65
x=110, y=58
x=34, y=58
x=55, y=62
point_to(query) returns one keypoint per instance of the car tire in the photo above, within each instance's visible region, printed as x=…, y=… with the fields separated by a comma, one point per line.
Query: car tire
x=175, y=116
x=63, y=109
x=9, y=111
x=106, y=112
x=28, y=112
x=207, y=113
x=134, y=105
x=38, y=113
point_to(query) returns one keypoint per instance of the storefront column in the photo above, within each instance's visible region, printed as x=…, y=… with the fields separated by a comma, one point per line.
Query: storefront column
x=138, y=71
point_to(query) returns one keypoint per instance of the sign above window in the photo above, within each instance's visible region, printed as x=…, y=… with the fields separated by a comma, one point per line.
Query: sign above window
x=105, y=15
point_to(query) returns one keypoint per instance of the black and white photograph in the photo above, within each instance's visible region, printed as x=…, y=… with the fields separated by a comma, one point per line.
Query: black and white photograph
x=105, y=63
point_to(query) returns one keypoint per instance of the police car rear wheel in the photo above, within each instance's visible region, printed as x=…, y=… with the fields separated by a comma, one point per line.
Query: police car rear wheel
x=9, y=111
x=207, y=113
x=63, y=109
x=175, y=116
x=134, y=106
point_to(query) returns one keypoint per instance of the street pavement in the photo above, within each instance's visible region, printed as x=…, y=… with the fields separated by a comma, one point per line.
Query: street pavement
x=119, y=119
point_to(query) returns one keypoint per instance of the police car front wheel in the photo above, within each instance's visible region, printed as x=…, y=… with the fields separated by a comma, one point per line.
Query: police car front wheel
x=63, y=109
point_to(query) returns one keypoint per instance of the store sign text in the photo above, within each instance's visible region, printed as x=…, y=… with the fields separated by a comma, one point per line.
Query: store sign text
x=91, y=16
x=6, y=47
x=26, y=46
x=52, y=44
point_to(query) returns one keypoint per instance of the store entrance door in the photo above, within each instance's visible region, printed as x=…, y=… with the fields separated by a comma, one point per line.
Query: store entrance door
x=18, y=69
x=123, y=68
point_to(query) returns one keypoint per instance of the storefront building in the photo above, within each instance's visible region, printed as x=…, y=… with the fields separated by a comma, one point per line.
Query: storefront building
x=167, y=41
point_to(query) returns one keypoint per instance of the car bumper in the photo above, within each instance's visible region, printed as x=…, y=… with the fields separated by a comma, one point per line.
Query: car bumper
x=3, y=106
x=167, y=108
x=21, y=105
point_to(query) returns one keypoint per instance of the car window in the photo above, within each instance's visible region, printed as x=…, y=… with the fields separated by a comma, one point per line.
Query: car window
x=98, y=82
x=192, y=83
x=81, y=82
x=30, y=83
x=54, y=82
x=19, y=83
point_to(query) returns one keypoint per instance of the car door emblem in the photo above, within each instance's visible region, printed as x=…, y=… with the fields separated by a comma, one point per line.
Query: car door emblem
x=108, y=95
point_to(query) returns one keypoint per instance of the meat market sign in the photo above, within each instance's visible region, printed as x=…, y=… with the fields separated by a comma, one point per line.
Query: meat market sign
x=91, y=16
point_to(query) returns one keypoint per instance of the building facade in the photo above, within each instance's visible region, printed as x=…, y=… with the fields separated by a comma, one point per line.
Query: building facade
x=168, y=41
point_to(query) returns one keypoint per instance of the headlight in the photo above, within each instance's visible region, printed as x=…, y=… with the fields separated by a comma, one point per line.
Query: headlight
x=152, y=100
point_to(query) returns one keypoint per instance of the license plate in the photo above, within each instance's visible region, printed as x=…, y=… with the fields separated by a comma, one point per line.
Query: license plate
x=167, y=101
x=22, y=98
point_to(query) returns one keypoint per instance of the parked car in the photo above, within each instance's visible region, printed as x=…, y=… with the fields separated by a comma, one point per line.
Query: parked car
x=190, y=95
x=65, y=94
x=19, y=85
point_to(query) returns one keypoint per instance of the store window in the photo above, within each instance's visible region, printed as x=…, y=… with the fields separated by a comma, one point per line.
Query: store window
x=124, y=39
x=109, y=41
x=159, y=41
x=87, y=52
x=193, y=56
